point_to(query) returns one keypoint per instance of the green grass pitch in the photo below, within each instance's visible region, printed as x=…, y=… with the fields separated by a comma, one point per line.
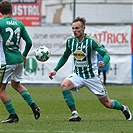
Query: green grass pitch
x=54, y=112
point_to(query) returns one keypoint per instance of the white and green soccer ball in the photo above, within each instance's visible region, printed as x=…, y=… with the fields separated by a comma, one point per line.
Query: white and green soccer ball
x=42, y=53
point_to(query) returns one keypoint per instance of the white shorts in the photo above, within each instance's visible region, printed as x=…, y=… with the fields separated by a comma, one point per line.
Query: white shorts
x=11, y=72
x=93, y=84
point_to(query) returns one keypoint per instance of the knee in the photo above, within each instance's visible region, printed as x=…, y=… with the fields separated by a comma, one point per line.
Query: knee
x=63, y=86
x=66, y=84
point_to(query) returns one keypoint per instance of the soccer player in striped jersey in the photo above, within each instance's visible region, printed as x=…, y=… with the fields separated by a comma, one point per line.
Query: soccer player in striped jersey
x=84, y=48
x=12, y=61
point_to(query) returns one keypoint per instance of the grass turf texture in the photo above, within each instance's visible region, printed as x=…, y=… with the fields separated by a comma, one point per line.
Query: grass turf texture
x=54, y=112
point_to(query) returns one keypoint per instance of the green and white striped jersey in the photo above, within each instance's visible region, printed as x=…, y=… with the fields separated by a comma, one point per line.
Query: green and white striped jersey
x=85, y=56
x=11, y=31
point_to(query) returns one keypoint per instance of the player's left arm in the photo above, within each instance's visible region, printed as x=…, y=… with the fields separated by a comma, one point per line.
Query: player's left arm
x=105, y=55
x=102, y=51
x=27, y=39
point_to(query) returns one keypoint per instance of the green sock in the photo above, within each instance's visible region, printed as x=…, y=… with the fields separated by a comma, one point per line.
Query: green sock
x=27, y=97
x=117, y=105
x=69, y=99
x=9, y=107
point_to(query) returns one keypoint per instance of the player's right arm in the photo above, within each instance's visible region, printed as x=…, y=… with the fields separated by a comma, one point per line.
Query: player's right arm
x=102, y=51
x=61, y=62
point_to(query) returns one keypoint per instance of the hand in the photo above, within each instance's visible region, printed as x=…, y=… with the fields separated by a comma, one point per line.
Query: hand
x=24, y=58
x=101, y=64
x=52, y=73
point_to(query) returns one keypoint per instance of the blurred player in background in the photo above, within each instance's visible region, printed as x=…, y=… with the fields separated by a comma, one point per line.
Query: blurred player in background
x=12, y=61
x=84, y=47
x=104, y=69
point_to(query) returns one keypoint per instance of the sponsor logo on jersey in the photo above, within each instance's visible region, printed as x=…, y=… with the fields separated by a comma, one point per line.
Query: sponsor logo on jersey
x=81, y=63
x=79, y=54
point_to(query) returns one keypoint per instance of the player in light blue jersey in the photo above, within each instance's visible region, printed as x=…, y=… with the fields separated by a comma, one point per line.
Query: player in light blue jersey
x=12, y=61
x=84, y=48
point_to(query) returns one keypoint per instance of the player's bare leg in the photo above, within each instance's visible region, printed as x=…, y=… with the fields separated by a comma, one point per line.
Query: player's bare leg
x=27, y=97
x=114, y=104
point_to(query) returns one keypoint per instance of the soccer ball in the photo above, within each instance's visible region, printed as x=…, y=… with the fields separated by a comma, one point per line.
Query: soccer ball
x=42, y=53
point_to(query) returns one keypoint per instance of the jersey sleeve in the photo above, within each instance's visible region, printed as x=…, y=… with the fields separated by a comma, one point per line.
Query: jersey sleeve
x=63, y=58
x=27, y=40
x=101, y=50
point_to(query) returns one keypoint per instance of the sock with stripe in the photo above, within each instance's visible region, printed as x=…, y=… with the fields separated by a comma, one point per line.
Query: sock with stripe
x=27, y=97
x=9, y=107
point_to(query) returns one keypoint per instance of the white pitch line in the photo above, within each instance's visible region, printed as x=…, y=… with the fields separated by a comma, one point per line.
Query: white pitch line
x=40, y=131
